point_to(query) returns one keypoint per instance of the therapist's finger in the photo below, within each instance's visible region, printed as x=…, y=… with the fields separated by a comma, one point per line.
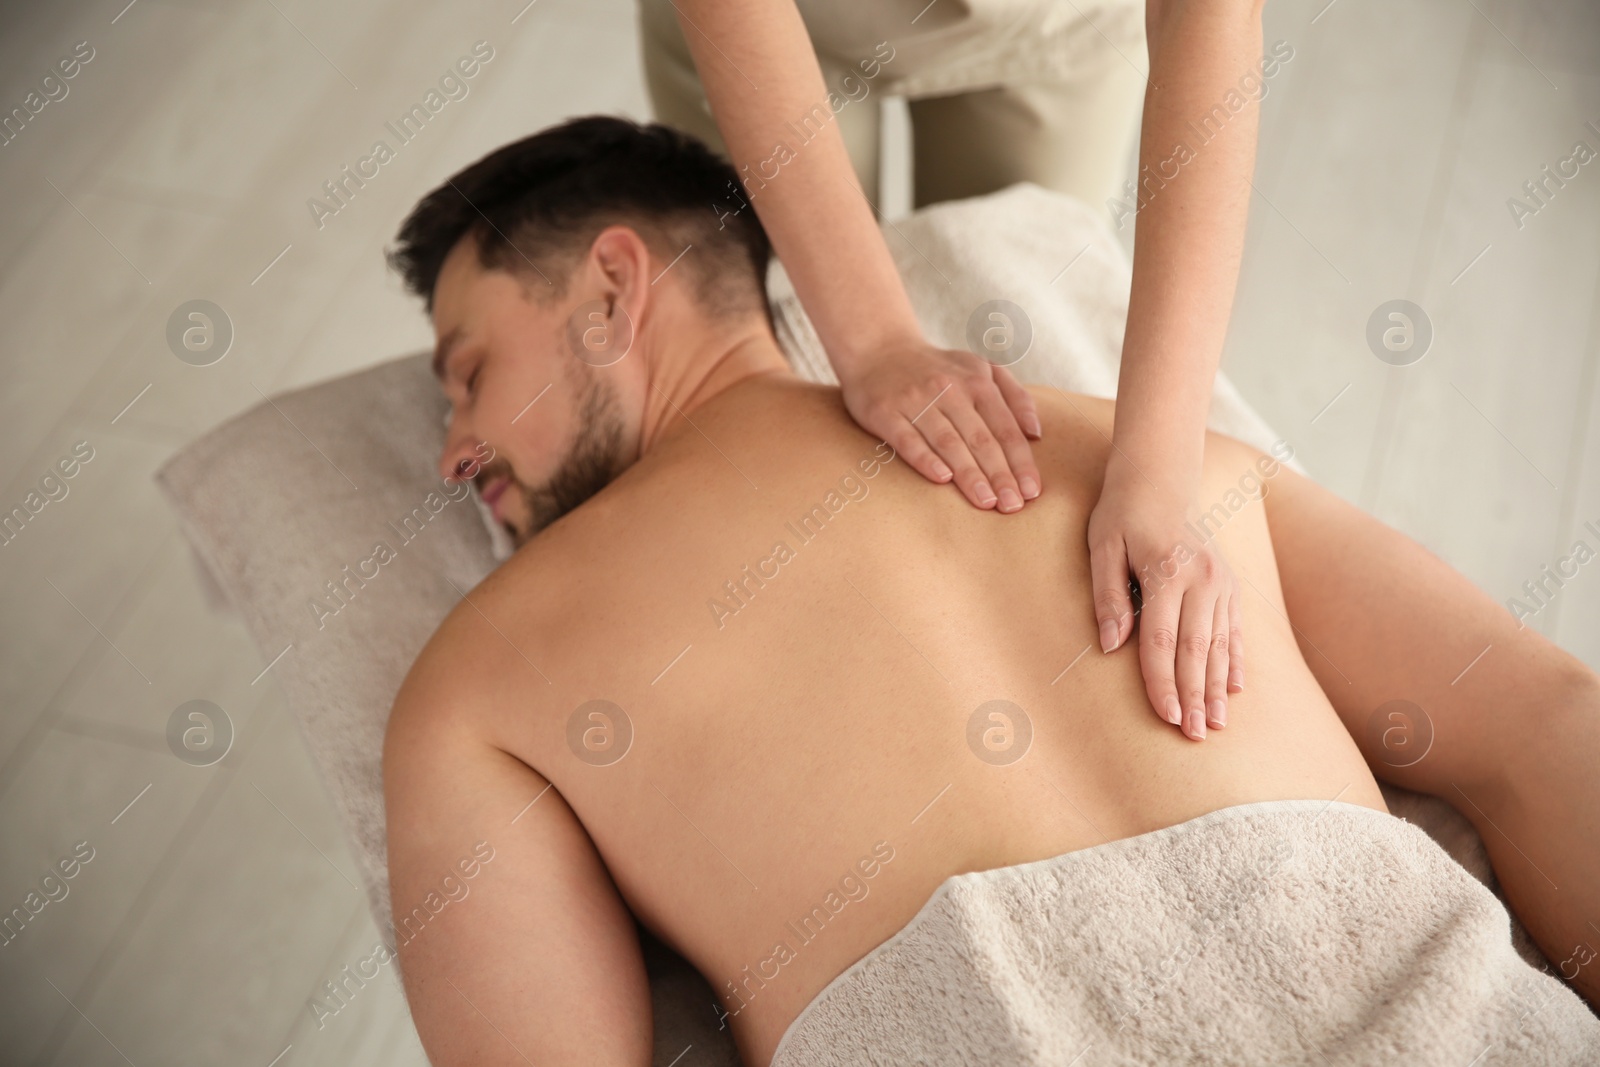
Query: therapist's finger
x=1158, y=651
x=1194, y=651
x=1009, y=430
x=982, y=444
x=1235, y=646
x=951, y=445
x=1113, y=606
x=1217, y=667
x=1020, y=401
x=907, y=442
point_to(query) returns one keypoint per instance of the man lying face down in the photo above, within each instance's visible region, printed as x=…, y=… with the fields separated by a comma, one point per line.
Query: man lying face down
x=754, y=681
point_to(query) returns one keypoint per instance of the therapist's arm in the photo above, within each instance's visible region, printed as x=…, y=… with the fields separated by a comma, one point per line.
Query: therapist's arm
x=972, y=419
x=1195, y=198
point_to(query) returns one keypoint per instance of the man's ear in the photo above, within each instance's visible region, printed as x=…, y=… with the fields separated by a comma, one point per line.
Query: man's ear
x=621, y=260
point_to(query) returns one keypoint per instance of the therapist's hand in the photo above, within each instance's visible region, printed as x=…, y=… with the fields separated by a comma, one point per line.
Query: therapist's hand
x=1190, y=649
x=949, y=413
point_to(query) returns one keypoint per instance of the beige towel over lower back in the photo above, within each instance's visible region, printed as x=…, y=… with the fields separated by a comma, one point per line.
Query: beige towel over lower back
x=1287, y=932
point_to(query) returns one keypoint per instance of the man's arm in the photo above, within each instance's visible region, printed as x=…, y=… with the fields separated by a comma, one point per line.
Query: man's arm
x=532, y=957
x=1497, y=720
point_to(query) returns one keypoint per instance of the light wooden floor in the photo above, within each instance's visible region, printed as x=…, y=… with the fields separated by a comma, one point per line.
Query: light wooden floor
x=178, y=167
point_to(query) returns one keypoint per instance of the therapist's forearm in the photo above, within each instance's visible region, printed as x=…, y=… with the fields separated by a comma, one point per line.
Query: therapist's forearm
x=1195, y=197
x=762, y=79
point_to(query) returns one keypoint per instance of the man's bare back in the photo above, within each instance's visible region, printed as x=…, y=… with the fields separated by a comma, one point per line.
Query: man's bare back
x=760, y=672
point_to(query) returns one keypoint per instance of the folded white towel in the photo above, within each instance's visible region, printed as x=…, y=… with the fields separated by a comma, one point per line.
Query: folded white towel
x=1287, y=932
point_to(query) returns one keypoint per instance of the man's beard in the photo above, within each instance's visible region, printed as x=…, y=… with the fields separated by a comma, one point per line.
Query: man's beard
x=591, y=462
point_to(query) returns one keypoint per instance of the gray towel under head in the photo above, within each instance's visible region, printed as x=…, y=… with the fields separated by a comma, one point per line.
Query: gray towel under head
x=1287, y=932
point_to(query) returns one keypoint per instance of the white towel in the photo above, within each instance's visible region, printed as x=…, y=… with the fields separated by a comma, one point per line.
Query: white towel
x=1287, y=932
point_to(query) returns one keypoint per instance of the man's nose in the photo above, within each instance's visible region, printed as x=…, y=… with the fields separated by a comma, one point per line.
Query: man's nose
x=460, y=459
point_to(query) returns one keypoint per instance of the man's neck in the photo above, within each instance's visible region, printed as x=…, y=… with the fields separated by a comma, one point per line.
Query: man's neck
x=698, y=362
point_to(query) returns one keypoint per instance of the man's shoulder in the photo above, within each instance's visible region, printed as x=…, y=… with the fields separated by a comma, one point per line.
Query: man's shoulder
x=629, y=557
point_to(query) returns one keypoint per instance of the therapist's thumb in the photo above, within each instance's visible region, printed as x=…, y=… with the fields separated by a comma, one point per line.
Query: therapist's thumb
x=1113, y=607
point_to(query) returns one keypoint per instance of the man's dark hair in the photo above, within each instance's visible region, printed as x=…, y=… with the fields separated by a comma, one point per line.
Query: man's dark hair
x=534, y=206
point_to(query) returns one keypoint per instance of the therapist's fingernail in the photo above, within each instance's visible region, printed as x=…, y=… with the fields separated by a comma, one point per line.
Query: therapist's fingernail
x=1009, y=500
x=1197, y=724
x=1030, y=423
x=1236, y=681
x=942, y=472
x=1029, y=487
x=984, y=493
x=1171, y=712
x=1108, y=635
x=1219, y=714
